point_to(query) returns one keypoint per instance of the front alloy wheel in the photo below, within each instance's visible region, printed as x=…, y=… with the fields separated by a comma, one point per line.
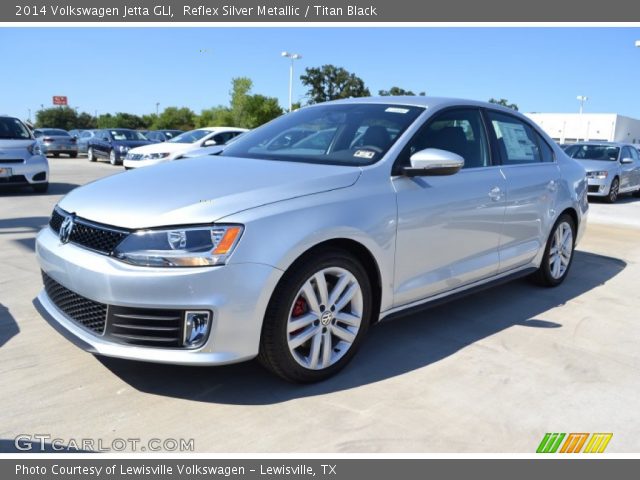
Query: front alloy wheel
x=317, y=317
x=90, y=155
x=113, y=159
x=614, y=190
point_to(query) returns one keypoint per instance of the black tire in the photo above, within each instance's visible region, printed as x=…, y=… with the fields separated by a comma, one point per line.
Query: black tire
x=614, y=191
x=637, y=193
x=91, y=156
x=274, y=349
x=56, y=155
x=543, y=275
x=73, y=155
x=40, y=187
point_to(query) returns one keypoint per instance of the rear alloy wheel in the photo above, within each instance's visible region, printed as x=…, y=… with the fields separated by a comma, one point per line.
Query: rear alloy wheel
x=614, y=191
x=317, y=318
x=113, y=159
x=558, y=253
x=90, y=155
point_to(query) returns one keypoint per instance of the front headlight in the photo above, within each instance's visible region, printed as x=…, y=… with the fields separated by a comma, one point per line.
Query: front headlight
x=34, y=149
x=180, y=247
x=600, y=175
x=123, y=149
x=155, y=156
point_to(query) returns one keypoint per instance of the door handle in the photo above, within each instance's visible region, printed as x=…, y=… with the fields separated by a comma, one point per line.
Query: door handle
x=495, y=194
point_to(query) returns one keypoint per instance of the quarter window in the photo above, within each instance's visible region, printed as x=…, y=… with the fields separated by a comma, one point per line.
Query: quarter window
x=460, y=131
x=517, y=142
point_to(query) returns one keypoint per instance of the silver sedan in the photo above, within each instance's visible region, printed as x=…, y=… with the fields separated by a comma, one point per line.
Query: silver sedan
x=612, y=168
x=292, y=252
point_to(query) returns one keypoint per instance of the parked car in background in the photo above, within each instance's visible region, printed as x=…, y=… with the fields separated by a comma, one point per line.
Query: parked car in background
x=177, y=146
x=212, y=150
x=291, y=254
x=158, y=136
x=114, y=144
x=56, y=141
x=76, y=132
x=83, y=140
x=612, y=168
x=22, y=162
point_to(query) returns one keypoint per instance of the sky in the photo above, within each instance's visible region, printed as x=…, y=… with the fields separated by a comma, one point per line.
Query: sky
x=131, y=69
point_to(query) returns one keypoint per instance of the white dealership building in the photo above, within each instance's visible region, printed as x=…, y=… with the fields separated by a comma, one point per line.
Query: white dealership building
x=574, y=127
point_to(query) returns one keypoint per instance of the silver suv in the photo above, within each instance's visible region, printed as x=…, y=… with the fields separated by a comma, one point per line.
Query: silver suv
x=21, y=158
x=290, y=251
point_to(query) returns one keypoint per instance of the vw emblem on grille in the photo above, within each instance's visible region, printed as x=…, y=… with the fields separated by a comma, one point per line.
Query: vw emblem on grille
x=66, y=228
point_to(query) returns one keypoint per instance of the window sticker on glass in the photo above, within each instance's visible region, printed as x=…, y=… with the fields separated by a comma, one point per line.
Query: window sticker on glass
x=396, y=110
x=516, y=141
x=368, y=154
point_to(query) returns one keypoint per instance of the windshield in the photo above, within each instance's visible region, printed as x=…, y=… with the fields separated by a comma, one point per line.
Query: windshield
x=13, y=128
x=593, y=152
x=126, y=135
x=338, y=134
x=191, y=136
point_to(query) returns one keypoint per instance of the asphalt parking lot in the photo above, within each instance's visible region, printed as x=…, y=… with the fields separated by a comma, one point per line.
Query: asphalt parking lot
x=492, y=372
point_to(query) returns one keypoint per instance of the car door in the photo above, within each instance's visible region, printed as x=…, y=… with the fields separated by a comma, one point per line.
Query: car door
x=627, y=170
x=449, y=227
x=635, y=177
x=533, y=179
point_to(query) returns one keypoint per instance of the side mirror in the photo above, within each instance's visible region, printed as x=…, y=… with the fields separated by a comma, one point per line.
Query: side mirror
x=433, y=161
x=209, y=143
x=626, y=160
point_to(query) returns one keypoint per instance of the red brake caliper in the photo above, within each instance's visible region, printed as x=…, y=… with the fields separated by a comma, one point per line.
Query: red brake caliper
x=299, y=309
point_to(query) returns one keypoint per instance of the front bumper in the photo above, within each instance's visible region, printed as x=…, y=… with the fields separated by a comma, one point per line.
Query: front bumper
x=28, y=172
x=598, y=187
x=236, y=294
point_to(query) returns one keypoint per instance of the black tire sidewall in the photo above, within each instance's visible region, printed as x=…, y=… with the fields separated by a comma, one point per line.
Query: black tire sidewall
x=613, y=200
x=274, y=344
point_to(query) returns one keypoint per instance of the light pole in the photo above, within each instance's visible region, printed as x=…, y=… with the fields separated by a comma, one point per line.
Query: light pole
x=157, y=106
x=29, y=117
x=292, y=57
x=581, y=99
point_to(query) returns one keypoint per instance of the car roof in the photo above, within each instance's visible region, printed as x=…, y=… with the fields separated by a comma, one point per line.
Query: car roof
x=608, y=144
x=422, y=101
x=219, y=129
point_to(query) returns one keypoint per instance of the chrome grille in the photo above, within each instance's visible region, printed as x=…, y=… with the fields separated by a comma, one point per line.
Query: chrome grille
x=134, y=156
x=91, y=315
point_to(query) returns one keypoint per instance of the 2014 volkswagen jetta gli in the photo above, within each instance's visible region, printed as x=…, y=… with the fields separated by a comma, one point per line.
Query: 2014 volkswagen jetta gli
x=298, y=237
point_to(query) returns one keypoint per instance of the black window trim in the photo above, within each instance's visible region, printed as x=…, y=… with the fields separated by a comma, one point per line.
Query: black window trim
x=396, y=169
x=526, y=121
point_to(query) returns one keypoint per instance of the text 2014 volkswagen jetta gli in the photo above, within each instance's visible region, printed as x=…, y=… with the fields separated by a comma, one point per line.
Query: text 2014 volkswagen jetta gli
x=306, y=231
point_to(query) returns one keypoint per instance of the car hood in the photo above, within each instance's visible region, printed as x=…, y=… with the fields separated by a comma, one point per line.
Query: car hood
x=200, y=190
x=10, y=144
x=597, y=165
x=164, y=147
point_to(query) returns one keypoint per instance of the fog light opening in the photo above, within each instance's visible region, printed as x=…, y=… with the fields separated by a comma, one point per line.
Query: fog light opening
x=196, y=328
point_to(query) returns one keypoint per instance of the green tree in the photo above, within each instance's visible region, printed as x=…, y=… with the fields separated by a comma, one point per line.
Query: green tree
x=397, y=91
x=504, y=102
x=120, y=120
x=175, y=118
x=245, y=110
x=149, y=119
x=329, y=82
x=57, y=117
x=86, y=121
x=216, y=116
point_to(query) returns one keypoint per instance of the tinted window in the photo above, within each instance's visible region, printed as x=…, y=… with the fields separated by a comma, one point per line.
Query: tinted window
x=634, y=154
x=593, y=152
x=545, y=150
x=356, y=134
x=458, y=131
x=13, y=128
x=517, y=142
